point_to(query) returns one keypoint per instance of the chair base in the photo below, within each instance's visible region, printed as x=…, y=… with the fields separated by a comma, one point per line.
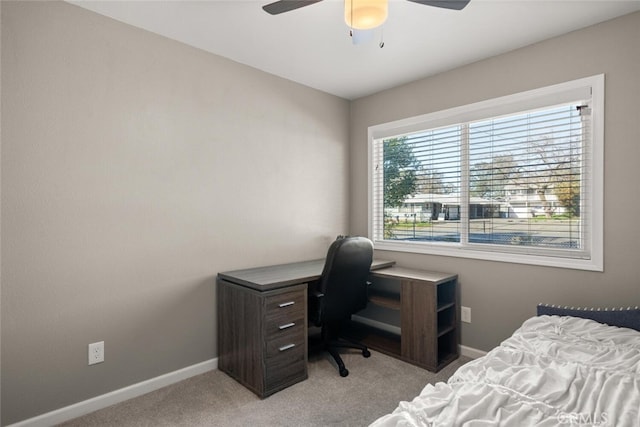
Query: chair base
x=331, y=343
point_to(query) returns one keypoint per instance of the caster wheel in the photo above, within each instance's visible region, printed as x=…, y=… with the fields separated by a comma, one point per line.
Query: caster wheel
x=344, y=372
x=366, y=353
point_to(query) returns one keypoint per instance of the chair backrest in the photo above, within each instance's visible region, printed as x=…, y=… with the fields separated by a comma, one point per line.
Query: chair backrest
x=344, y=278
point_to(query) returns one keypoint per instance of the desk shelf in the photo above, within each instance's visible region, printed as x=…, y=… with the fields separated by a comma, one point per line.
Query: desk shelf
x=385, y=299
x=378, y=339
x=426, y=319
x=446, y=319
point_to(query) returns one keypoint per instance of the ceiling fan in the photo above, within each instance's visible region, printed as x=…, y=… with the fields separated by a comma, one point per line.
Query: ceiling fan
x=361, y=14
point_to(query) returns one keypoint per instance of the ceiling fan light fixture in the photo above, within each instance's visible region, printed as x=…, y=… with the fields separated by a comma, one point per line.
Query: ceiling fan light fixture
x=365, y=14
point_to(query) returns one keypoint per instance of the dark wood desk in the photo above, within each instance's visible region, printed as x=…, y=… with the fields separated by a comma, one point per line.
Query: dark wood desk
x=262, y=320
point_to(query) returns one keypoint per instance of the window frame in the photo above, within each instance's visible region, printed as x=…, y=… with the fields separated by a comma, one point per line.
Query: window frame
x=592, y=86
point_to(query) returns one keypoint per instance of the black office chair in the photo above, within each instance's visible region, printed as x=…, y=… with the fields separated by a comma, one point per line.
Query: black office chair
x=340, y=292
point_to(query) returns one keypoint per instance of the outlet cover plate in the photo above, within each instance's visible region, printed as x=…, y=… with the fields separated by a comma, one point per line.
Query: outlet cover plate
x=465, y=314
x=96, y=352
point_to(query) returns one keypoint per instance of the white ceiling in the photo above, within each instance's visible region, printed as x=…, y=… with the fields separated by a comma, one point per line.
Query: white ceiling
x=311, y=45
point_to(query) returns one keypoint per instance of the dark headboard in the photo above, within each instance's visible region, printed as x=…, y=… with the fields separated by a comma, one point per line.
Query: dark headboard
x=622, y=317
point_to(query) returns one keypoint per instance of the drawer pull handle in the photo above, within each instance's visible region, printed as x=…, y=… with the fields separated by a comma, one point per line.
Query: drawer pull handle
x=288, y=325
x=287, y=304
x=286, y=347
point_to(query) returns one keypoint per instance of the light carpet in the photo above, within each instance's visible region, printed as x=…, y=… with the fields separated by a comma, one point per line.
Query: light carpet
x=374, y=387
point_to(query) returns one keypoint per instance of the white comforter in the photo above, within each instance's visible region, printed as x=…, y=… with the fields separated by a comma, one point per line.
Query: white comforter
x=553, y=371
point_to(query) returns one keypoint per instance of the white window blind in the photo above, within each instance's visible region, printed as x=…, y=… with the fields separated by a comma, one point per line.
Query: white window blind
x=523, y=185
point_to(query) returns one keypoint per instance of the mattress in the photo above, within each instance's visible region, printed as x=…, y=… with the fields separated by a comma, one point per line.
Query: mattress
x=552, y=371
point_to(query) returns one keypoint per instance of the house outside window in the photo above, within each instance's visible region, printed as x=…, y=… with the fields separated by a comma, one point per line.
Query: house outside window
x=516, y=179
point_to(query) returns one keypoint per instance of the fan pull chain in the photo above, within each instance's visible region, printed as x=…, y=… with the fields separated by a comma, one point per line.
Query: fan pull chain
x=351, y=18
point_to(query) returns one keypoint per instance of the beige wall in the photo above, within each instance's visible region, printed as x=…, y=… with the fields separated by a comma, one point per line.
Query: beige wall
x=134, y=168
x=502, y=295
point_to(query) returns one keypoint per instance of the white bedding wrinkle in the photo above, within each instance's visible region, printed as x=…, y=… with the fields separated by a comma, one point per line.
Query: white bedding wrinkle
x=552, y=371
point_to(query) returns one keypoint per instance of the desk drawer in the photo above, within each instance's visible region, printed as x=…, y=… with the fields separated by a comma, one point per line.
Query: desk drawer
x=285, y=304
x=289, y=341
x=285, y=324
x=285, y=369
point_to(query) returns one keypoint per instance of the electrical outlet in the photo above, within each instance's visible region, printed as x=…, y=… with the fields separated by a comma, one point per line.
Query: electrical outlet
x=465, y=314
x=96, y=353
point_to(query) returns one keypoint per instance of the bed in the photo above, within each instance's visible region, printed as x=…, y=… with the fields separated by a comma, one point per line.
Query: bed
x=562, y=367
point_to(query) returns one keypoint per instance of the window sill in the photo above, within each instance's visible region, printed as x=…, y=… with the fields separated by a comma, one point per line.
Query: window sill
x=594, y=264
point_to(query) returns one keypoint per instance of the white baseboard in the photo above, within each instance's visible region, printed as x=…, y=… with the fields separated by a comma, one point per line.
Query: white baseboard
x=99, y=402
x=471, y=352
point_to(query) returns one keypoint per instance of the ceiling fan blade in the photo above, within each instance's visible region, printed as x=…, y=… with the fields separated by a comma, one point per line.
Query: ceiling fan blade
x=286, y=6
x=446, y=4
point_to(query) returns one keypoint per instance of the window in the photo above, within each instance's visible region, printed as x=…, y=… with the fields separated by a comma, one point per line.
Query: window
x=516, y=179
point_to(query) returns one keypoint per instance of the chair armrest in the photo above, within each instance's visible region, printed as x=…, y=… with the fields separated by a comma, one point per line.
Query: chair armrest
x=314, y=306
x=315, y=294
